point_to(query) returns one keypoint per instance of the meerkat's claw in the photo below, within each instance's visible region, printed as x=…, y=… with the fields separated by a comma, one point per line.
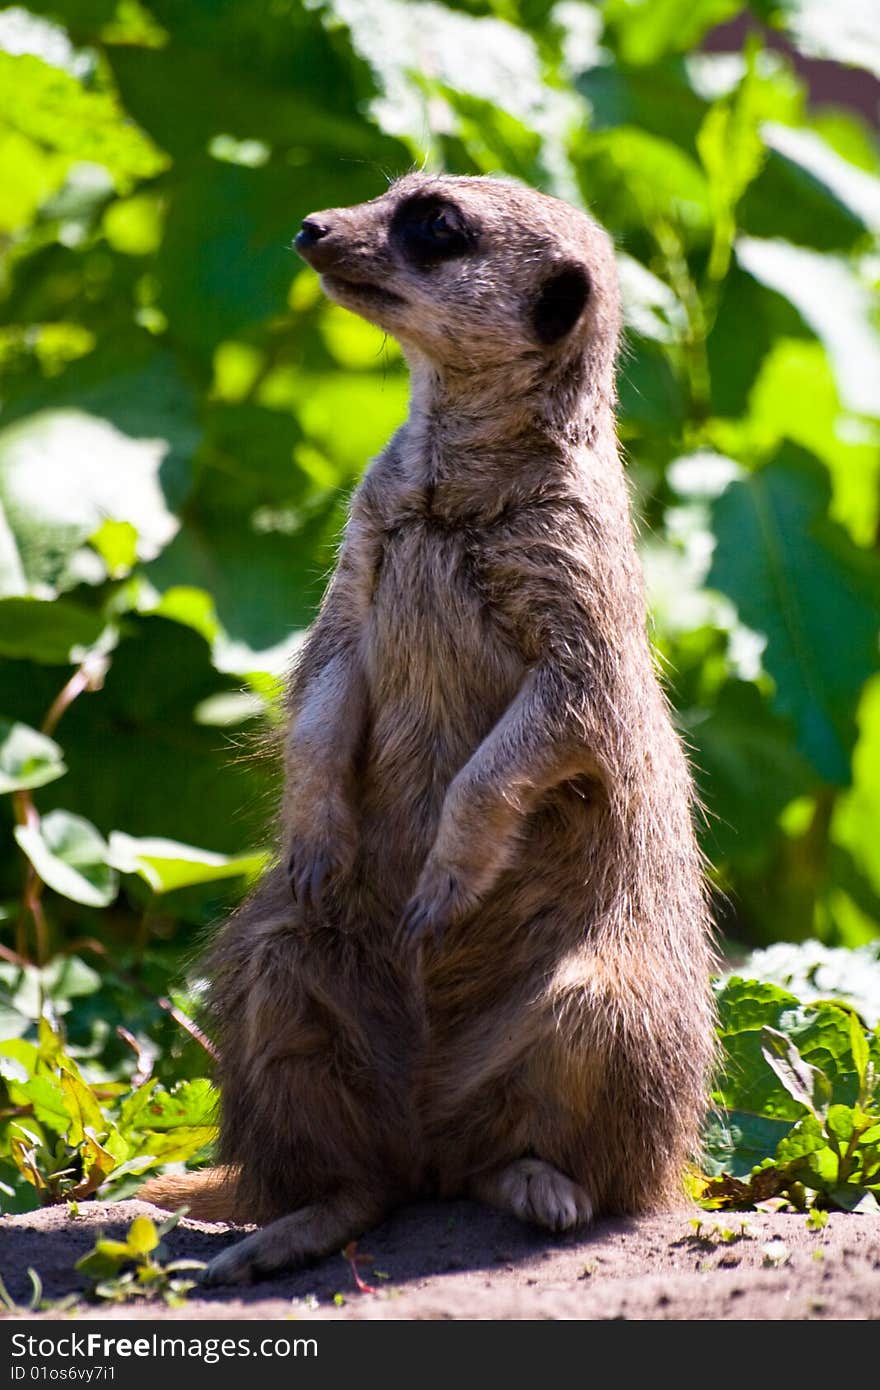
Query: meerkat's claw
x=425, y=918
x=308, y=876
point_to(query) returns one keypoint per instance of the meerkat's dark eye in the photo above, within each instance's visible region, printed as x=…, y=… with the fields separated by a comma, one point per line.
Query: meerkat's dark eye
x=431, y=230
x=440, y=226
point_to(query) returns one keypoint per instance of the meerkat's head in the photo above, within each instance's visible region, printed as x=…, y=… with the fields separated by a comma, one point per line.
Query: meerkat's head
x=472, y=272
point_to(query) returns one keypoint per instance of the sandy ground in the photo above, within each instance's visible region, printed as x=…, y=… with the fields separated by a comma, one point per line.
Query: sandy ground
x=458, y=1260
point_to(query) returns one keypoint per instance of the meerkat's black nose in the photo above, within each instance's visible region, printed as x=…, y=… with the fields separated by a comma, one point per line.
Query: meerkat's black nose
x=310, y=232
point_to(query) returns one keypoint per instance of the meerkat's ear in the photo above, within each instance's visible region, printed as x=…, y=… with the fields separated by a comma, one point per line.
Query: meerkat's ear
x=560, y=303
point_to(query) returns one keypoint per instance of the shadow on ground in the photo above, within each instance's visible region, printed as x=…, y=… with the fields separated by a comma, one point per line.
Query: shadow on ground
x=459, y=1260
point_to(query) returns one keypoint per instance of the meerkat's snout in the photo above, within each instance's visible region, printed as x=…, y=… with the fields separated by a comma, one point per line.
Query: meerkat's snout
x=311, y=232
x=316, y=243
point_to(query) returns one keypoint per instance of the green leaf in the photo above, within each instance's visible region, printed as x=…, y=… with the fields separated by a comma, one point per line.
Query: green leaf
x=789, y=203
x=70, y=856
x=795, y=397
x=82, y=1106
x=134, y=1105
x=799, y=579
x=52, y=633
x=745, y=1004
x=51, y=107
x=166, y=865
x=297, y=91
x=806, y=1084
x=749, y=321
x=28, y=175
x=840, y=1123
x=142, y=1236
x=116, y=543
x=646, y=30
x=860, y=1051
x=746, y=767
x=190, y=1104
x=224, y=216
x=835, y=301
x=735, y=1142
x=659, y=98
x=141, y=390
x=106, y=1258
x=805, y=1138
x=633, y=179
x=857, y=814
x=853, y=188
x=141, y=721
x=732, y=154
x=265, y=584
x=176, y=1145
x=27, y=759
x=855, y=1199
x=63, y=474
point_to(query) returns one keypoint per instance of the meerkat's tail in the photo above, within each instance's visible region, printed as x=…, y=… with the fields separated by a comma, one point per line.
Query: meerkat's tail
x=210, y=1195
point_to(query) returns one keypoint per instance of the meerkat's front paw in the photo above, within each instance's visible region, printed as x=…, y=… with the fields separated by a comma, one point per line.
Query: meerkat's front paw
x=317, y=857
x=440, y=900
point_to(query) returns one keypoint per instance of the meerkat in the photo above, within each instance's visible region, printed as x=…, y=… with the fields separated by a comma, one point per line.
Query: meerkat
x=480, y=966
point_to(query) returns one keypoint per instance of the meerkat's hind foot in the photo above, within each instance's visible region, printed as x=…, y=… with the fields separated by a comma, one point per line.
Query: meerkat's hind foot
x=322, y=1228
x=535, y=1191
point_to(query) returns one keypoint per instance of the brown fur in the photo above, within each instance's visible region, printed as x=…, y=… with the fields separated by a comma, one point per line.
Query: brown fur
x=479, y=749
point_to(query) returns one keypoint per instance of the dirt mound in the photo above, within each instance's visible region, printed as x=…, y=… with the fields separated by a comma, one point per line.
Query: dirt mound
x=458, y=1260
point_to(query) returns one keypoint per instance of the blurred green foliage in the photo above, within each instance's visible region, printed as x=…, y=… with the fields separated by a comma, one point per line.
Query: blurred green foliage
x=182, y=418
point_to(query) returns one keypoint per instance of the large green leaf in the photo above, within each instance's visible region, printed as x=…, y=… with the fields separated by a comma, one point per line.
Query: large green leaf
x=735, y=1141
x=820, y=1032
x=52, y=108
x=832, y=297
x=263, y=71
x=28, y=174
x=40, y=630
x=632, y=179
x=265, y=584
x=646, y=30
x=63, y=474
x=149, y=398
x=157, y=772
x=750, y=319
x=857, y=815
x=166, y=865
x=658, y=98
x=802, y=195
x=799, y=579
x=225, y=261
x=795, y=396
x=70, y=856
x=747, y=770
x=852, y=187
